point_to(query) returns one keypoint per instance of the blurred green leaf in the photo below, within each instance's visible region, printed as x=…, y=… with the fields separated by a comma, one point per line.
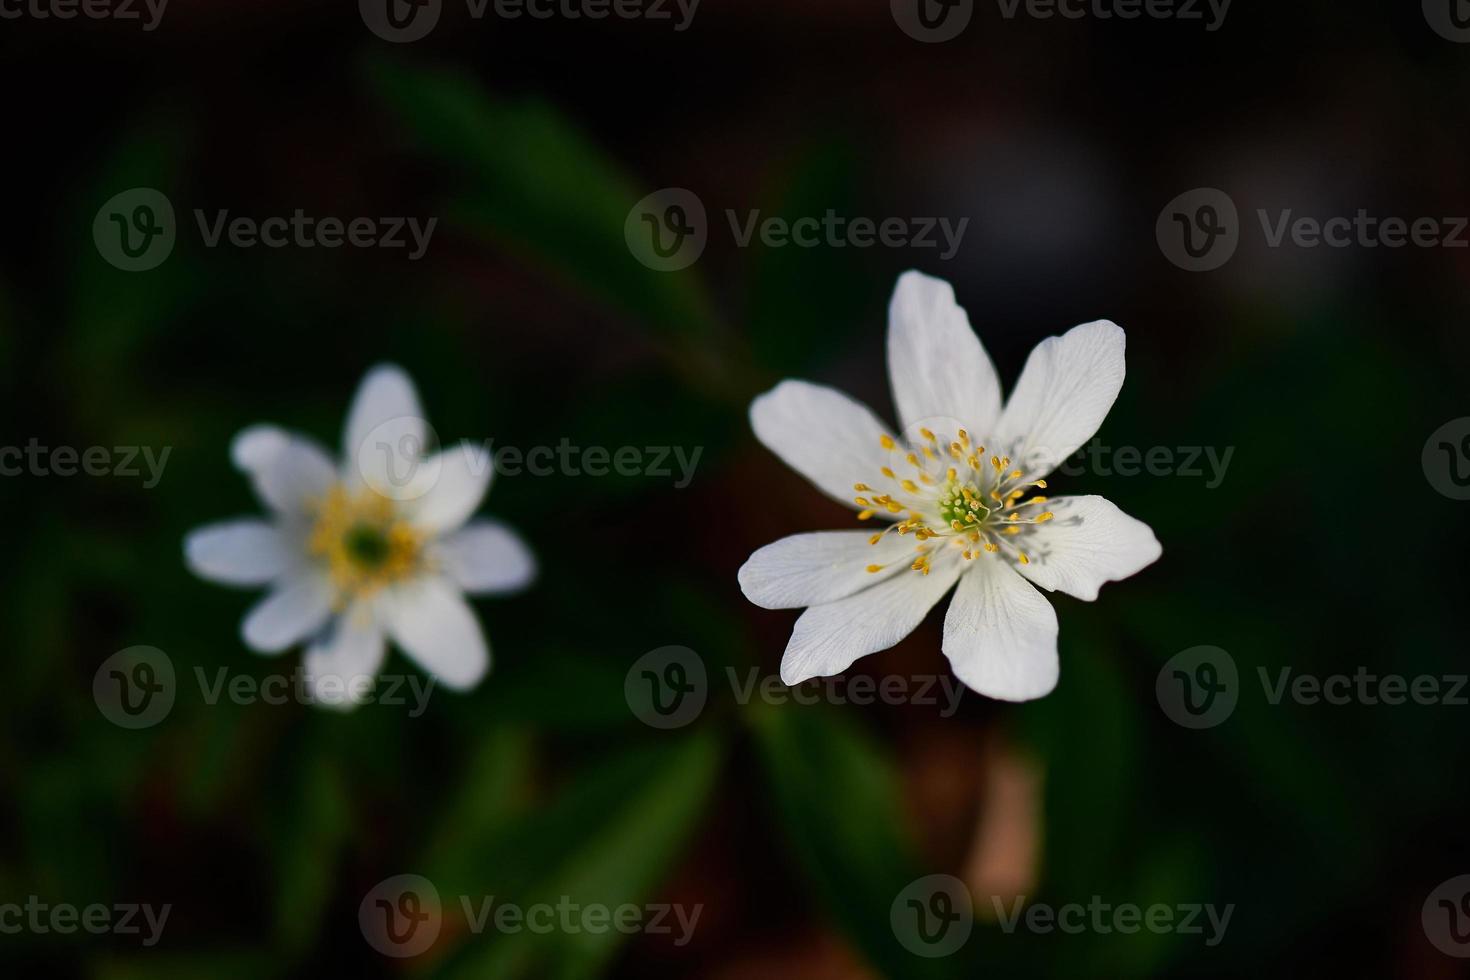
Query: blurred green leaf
x=536, y=185
x=309, y=834
x=836, y=796
x=607, y=839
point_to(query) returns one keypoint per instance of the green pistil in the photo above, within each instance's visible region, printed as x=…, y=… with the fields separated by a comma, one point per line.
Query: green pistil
x=954, y=507
x=366, y=545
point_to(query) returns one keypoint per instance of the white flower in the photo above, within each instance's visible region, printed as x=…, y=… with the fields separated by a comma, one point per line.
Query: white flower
x=953, y=489
x=379, y=547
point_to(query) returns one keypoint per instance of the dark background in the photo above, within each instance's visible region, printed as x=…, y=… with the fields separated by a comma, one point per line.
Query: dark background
x=1324, y=549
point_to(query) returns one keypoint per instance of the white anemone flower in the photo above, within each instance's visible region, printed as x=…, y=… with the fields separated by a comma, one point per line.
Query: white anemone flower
x=957, y=492
x=381, y=546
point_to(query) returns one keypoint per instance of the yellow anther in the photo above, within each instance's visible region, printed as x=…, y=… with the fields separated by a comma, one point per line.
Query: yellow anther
x=875, y=568
x=887, y=472
x=876, y=538
x=1040, y=483
x=953, y=473
x=1024, y=559
x=926, y=433
x=964, y=437
x=861, y=501
x=1044, y=517
x=1013, y=529
x=995, y=461
x=974, y=463
x=913, y=460
x=956, y=449
x=861, y=487
x=991, y=547
x=909, y=485
x=886, y=441
x=957, y=525
x=864, y=515
x=1014, y=475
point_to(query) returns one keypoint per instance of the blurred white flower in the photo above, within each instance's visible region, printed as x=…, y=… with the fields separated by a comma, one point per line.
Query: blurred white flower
x=379, y=547
x=953, y=489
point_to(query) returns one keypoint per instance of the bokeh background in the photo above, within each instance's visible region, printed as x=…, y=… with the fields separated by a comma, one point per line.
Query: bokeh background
x=1324, y=549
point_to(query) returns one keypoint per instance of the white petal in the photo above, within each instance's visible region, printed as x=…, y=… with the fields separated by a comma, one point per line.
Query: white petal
x=487, y=557
x=1065, y=391
x=824, y=566
x=936, y=363
x=386, y=432
x=296, y=608
x=828, y=638
x=337, y=664
x=1000, y=634
x=822, y=434
x=434, y=625
x=288, y=471
x=240, y=552
x=461, y=476
x=1089, y=542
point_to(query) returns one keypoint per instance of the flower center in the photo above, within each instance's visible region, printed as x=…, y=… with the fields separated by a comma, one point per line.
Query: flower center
x=365, y=543
x=954, y=497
